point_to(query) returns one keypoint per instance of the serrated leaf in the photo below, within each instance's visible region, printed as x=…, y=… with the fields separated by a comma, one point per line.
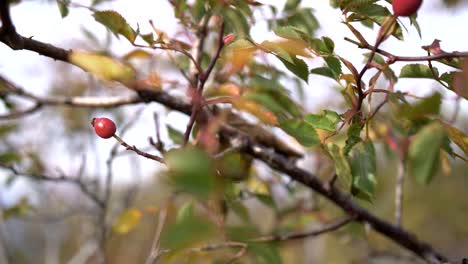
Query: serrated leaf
x=299, y=68
x=342, y=168
x=301, y=131
x=327, y=120
x=364, y=169
x=115, y=23
x=418, y=71
x=102, y=66
x=424, y=152
x=458, y=137
x=191, y=170
x=334, y=65
x=127, y=221
x=324, y=71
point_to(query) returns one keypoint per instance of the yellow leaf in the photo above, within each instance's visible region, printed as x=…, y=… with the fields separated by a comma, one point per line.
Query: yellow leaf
x=137, y=54
x=257, y=186
x=102, y=66
x=257, y=110
x=458, y=138
x=127, y=221
x=238, y=54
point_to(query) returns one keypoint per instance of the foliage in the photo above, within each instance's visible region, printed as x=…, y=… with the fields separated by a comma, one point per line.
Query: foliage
x=258, y=89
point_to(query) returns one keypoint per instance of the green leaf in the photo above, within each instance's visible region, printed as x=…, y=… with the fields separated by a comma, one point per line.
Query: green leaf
x=191, y=170
x=327, y=120
x=63, y=7
x=185, y=213
x=447, y=77
x=322, y=46
x=418, y=71
x=427, y=106
x=266, y=200
x=9, y=157
x=127, y=221
x=354, y=137
x=364, y=169
x=342, y=168
x=424, y=152
x=335, y=66
x=187, y=232
x=115, y=23
x=302, y=19
x=458, y=137
x=265, y=253
x=239, y=209
x=324, y=71
x=299, y=68
x=22, y=208
x=175, y=135
x=102, y=66
x=301, y=131
x=7, y=129
x=236, y=22
x=291, y=5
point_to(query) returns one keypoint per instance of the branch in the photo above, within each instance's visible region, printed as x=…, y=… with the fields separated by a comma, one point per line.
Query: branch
x=392, y=57
x=77, y=101
x=61, y=179
x=285, y=165
x=300, y=235
x=139, y=152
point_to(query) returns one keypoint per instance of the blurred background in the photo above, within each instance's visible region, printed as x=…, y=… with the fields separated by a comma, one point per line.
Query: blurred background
x=50, y=222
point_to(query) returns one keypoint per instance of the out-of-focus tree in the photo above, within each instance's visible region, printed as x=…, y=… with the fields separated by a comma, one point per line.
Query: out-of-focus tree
x=253, y=176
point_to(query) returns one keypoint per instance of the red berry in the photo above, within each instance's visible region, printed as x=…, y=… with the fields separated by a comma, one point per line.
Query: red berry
x=406, y=7
x=104, y=127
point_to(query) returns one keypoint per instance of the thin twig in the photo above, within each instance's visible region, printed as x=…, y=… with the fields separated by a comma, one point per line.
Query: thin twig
x=300, y=235
x=139, y=152
x=154, y=251
x=61, y=179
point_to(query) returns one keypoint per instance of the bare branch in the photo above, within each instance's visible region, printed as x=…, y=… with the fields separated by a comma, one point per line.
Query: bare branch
x=61, y=179
x=154, y=252
x=300, y=235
